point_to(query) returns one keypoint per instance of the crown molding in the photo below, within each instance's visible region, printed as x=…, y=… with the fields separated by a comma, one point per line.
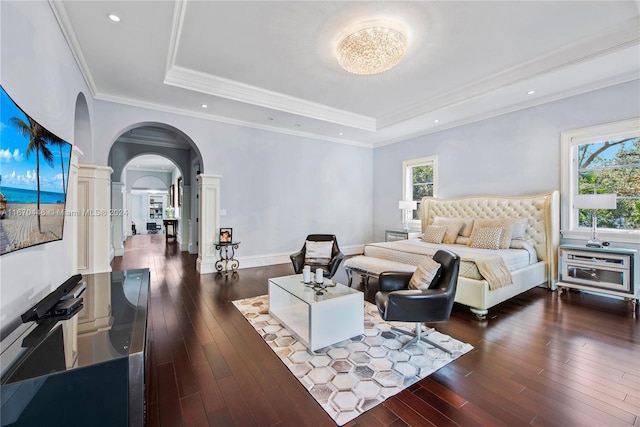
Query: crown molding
x=227, y=120
x=601, y=44
x=601, y=84
x=61, y=15
x=225, y=88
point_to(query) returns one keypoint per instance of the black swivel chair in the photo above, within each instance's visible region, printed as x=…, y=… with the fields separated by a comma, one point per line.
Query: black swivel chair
x=398, y=303
x=329, y=269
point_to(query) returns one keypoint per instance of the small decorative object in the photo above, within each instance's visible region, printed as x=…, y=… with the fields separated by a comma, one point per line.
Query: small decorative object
x=169, y=212
x=306, y=274
x=319, y=275
x=226, y=235
x=317, y=288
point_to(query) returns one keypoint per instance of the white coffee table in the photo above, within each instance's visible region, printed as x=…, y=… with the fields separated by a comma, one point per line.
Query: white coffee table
x=316, y=321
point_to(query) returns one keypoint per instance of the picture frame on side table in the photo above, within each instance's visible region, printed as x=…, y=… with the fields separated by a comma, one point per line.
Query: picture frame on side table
x=226, y=235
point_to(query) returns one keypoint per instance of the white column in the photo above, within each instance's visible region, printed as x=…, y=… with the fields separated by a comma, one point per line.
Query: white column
x=94, y=221
x=209, y=220
x=185, y=213
x=117, y=216
x=72, y=207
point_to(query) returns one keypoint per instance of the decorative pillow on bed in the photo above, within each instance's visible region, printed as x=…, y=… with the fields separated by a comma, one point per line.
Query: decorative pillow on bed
x=453, y=227
x=462, y=240
x=467, y=227
x=486, y=237
x=318, y=253
x=519, y=230
x=504, y=223
x=426, y=272
x=434, y=234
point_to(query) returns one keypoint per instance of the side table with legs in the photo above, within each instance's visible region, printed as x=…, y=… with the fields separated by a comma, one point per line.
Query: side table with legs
x=227, y=259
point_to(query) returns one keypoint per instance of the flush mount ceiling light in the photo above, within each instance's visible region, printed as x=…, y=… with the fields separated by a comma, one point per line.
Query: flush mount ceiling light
x=372, y=47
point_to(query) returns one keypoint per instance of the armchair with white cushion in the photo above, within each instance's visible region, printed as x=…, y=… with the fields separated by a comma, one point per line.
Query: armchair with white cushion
x=318, y=251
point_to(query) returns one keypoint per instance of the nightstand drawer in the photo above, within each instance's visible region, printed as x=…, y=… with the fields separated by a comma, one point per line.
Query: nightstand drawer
x=393, y=235
x=605, y=278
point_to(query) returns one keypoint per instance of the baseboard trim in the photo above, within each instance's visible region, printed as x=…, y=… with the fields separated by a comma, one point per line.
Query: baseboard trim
x=253, y=261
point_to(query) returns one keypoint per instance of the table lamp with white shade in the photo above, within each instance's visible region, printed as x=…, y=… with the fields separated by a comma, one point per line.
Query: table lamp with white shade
x=407, y=206
x=593, y=202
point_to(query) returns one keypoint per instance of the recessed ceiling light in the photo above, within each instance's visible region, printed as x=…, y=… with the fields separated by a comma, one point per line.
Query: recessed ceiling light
x=531, y=92
x=340, y=134
x=114, y=18
x=436, y=121
x=204, y=105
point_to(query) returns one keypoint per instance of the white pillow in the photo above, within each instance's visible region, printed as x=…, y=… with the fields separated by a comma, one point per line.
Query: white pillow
x=318, y=252
x=425, y=273
x=434, y=234
x=487, y=237
x=519, y=229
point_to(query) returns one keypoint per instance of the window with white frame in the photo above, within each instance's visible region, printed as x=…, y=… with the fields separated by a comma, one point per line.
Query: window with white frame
x=419, y=179
x=602, y=159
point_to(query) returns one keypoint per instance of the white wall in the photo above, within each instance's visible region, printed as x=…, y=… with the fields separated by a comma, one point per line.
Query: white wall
x=513, y=154
x=38, y=71
x=276, y=188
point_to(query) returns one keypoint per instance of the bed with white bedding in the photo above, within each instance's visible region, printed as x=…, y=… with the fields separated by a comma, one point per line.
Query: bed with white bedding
x=525, y=230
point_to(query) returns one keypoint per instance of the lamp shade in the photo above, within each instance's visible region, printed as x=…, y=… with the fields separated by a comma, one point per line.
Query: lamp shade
x=594, y=201
x=408, y=205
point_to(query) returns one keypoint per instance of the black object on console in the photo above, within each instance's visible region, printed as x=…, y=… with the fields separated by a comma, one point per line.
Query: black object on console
x=39, y=310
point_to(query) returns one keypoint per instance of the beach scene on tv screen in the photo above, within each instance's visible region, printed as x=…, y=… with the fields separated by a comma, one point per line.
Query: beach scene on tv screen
x=34, y=172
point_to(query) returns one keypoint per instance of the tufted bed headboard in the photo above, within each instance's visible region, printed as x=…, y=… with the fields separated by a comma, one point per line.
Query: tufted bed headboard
x=542, y=210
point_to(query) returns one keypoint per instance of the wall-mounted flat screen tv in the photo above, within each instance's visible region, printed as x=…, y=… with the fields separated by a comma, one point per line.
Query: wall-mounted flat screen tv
x=34, y=172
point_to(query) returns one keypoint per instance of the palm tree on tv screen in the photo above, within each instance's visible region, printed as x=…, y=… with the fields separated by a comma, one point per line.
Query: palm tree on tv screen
x=59, y=142
x=38, y=137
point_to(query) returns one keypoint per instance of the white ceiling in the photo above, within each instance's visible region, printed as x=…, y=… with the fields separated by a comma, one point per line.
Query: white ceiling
x=271, y=64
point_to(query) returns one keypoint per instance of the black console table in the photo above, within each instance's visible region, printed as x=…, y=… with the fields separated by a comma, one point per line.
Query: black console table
x=87, y=370
x=227, y=257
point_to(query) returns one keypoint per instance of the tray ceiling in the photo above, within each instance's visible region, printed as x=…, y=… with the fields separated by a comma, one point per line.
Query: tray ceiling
x=271, y=64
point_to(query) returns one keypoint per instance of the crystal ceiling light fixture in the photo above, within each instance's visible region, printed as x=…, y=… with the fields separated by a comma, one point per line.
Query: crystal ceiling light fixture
x=372, y=47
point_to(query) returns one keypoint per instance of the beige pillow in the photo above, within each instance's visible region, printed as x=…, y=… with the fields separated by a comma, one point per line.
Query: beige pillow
x=467, y=227
x=461, y=240
x=504, y=223
x=427, y=271
x=453, y=227
x=487, y=237
x=434, y=234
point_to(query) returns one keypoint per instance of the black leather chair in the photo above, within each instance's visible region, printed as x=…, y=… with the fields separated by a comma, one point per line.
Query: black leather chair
x=398, y=303
x=328, y=269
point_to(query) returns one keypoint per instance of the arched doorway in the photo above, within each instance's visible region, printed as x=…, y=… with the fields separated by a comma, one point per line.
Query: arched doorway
x=157, y=145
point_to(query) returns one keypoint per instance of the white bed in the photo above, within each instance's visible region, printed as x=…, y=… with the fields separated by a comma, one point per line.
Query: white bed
x=525, y=271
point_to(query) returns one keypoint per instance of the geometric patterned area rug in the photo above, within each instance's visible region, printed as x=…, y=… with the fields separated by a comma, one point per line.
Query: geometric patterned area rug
x=352, y=376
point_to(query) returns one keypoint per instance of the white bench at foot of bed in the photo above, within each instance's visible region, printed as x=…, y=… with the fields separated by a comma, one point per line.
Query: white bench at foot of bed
x=470, y=292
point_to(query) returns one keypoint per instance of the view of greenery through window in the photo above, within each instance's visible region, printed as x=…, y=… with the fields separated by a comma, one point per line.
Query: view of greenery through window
x=611, y=167
x=422, y=184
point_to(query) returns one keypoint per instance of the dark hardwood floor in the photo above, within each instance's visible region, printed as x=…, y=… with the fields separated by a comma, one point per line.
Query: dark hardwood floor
x=540, y=359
